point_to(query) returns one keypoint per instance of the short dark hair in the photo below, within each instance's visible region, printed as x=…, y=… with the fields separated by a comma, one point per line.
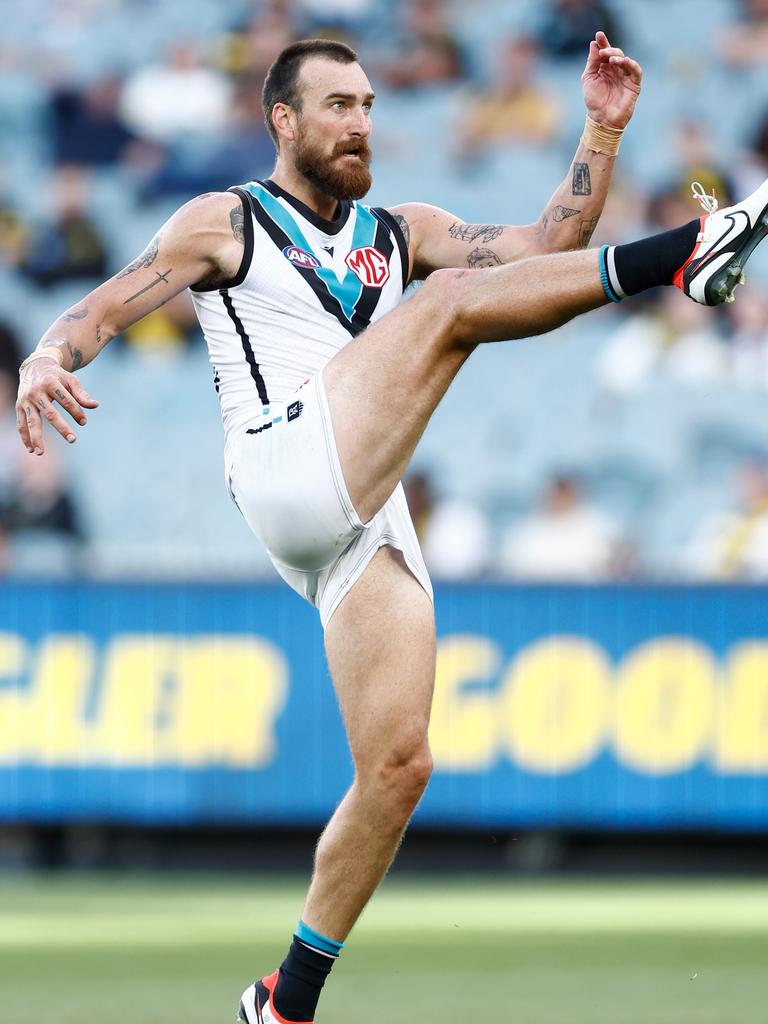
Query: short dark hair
x=282, y=82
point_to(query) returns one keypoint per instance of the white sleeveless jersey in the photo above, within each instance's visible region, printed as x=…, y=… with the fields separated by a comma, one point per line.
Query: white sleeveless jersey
x=305, y=288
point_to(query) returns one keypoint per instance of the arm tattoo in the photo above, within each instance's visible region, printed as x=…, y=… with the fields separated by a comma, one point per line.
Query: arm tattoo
x=76, y=313
x=563, y=213
x=76, y=356
x=146, y=259
x=581, y=184
x=402, y=223
x=158, y=279
x=237, y=220
x=586, y=230
x=99, y=340
x=483, y=258
x=475, y=232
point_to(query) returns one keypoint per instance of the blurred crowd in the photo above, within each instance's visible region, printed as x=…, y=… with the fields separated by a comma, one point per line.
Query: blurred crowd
x=185, y=117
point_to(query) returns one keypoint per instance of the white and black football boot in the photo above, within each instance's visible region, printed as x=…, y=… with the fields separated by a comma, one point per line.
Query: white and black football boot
x=726, y=240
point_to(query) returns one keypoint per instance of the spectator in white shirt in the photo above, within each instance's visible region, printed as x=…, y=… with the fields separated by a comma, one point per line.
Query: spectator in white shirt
x=567, y=539
x=454, y=533
x=164, y=101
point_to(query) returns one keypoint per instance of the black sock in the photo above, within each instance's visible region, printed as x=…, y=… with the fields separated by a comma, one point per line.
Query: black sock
x=650, y=262
x=300, y=982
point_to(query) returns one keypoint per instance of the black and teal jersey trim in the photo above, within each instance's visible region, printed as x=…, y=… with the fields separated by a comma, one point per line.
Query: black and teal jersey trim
x=349, y=299
x=399, y=237
x=328, y=227
x=245, y=262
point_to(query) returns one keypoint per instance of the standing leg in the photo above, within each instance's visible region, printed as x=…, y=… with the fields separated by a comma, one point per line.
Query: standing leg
x=380, y=644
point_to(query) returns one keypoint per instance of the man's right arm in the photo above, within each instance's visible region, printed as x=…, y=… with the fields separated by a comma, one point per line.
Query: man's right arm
x=201, y=244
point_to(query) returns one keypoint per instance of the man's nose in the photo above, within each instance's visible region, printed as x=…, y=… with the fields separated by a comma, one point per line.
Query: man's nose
x=361, y=125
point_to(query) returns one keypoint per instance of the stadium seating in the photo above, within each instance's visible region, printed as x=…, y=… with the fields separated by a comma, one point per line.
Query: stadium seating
x=151, y=456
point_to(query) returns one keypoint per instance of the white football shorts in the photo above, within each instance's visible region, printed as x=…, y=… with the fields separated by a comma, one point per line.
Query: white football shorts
x=284, y=474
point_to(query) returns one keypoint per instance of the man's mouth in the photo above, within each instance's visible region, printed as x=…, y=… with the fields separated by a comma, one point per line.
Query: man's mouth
x=358, y=153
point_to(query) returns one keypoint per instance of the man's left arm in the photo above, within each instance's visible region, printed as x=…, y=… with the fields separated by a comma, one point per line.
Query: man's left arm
x=437, y=239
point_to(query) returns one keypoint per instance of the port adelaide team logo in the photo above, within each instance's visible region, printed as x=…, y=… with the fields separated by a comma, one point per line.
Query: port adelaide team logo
x=300, y=256
x=369, y=265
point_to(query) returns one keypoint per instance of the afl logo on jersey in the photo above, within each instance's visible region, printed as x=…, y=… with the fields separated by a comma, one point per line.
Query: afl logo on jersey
x=369, y=265
x=300, y=256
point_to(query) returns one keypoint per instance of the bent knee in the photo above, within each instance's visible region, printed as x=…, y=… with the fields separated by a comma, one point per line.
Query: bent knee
x=446, y=280
x=406, y=770
x=448, y=295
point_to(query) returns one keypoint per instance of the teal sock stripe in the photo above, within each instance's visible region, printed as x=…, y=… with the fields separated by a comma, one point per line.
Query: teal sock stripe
x=605, y=280
x=312, y=938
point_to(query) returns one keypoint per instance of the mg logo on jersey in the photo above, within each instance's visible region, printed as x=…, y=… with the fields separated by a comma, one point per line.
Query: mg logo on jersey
x=300, y=256
x=369, y=265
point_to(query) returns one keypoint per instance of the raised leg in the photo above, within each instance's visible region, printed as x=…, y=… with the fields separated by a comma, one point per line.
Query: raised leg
x=383, y=388
x=380, y=644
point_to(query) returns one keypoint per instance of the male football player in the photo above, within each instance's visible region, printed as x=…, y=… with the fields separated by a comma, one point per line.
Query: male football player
x=327, y=381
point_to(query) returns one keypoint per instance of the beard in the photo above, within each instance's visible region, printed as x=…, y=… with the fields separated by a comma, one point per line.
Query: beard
x=337, y=179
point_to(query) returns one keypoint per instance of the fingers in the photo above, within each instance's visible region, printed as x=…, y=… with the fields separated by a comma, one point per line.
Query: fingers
x=71, y=396
x=21, y=425
x=593, y=57
x=601, y=51
x=627, y=67
x=636, y=70
x=632, y=69
x=615, y=56
x=81, y=394
x=67, y=402
x=55, y=418
x=37, y=403
x=34, y=428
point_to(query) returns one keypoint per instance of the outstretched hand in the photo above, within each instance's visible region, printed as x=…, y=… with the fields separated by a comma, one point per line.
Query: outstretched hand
x=40, y=386
x=611, y=83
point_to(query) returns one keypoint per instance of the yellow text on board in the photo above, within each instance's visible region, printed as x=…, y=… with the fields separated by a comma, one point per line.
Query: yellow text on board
x=553, y=708
x=560, y=703
x=143, y=700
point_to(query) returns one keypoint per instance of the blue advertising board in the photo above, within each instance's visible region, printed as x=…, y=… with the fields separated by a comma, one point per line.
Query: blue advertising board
x=583, y=707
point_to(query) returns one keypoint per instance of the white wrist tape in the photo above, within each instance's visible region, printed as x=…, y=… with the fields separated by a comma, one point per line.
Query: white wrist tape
x=600, y=138
x=49, y=352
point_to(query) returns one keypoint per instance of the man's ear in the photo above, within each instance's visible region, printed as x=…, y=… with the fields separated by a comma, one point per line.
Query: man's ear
x=284, y=119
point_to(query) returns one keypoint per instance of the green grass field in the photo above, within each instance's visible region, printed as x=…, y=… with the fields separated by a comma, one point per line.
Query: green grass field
x=137, y=950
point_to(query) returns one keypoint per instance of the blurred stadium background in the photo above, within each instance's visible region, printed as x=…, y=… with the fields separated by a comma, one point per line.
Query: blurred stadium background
x=593, y=506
